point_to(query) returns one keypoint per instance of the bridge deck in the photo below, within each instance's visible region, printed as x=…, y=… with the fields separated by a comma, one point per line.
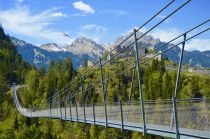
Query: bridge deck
x=113, y=121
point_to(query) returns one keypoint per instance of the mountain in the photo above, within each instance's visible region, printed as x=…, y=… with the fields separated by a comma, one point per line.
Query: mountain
x=197, y=58
x=80, y=46
x=51, y=47
x=83, y=48
x=39, y=57
x=83, y=45
x=192, y=58
x=146, y=41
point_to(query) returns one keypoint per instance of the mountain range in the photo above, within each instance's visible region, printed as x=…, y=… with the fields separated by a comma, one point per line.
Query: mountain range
x=83, y=48
x=39, y=56
x=193, y=58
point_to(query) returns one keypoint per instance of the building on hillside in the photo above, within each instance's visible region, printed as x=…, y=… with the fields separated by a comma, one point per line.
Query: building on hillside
x=158, y=55
x=199, y=71
x=104, y=62
x=89, y=63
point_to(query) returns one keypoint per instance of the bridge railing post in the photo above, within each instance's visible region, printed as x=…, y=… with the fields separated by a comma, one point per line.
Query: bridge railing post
x=175, y=117
x=208, y=122
x=104, y=93
x=50, y=108
x=121, y=114
x=65, y=108
x=70, y=110
x=139, y=81
x=61, y=112
x=83, y=103
x=130, y=95
x=55, y=110
x=177, y=89
x=76, y=110
x=59, y=101
x=94, y=116
x=70, y=103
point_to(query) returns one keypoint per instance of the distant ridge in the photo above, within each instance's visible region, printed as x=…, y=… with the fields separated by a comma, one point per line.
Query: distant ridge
x=83, y=48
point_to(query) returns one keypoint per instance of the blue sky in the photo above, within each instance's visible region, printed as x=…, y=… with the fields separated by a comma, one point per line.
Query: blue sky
x=43, y=21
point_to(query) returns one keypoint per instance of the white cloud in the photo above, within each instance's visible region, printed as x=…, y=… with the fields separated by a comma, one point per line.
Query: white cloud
x=58, y=14
x=83, y=7
x=93, y=27
x=129, y=31
x=115, y=13
x=143, y=29
x=77, y=14
x=166, y=34
x=20, y=1
x=93, y=31
x=20, y=21
x=168, y=20
x=198, y=44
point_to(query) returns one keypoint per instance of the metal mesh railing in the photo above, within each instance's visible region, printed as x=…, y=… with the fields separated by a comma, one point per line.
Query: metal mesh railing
x=192, y=114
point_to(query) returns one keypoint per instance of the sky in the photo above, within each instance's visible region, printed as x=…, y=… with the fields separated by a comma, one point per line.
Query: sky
x=44, y=21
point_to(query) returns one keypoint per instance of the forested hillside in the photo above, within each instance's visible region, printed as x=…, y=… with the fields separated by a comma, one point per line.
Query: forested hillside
x=13, y=68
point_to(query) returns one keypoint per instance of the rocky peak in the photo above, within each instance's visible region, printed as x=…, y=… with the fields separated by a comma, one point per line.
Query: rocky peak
x=18, y=42
x=51, y=47
x=83, y=41
x=83, y=45
x=148, y=40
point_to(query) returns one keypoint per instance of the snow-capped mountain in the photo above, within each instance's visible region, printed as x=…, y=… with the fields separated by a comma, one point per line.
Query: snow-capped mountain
x=83, y=48
x=51, y=47
x=39, y=57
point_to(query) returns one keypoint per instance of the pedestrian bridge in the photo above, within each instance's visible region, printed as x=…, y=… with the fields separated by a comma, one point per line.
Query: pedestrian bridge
x=176, y=118
x=193, y=115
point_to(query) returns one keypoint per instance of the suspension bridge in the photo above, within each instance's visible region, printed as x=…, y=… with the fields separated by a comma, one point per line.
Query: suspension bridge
x=172, y=117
